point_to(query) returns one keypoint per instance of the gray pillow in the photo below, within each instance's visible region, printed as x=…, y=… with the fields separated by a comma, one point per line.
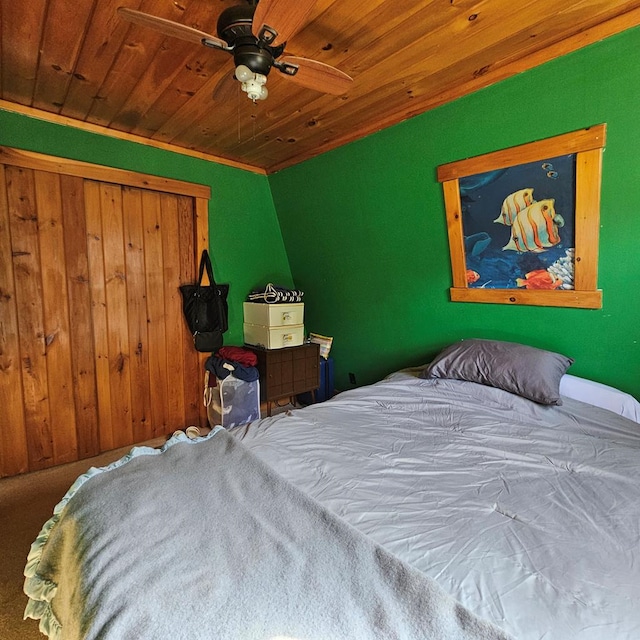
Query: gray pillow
x=529, y=372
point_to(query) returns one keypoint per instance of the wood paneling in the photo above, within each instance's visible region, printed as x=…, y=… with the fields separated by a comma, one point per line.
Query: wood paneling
x=141, y=422
x=78, y=61
x=55, y=310
x=157, y=330
x=174, y=325
x=13, y=437
x=195, y=411
x=94, y=351
x=29, y=301
x=83, y=361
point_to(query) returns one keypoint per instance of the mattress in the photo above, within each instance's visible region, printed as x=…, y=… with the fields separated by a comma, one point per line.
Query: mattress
x=527, y=514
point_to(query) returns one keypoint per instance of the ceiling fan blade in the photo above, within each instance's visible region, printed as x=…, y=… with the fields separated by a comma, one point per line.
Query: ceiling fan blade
x=170, y=28
x=286, y=17
x=317, y=75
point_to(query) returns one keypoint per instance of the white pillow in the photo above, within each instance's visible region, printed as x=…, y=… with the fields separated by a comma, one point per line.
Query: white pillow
x=600, y=395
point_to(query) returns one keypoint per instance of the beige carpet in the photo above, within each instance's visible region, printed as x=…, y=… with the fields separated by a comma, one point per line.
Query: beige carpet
x=26, y=503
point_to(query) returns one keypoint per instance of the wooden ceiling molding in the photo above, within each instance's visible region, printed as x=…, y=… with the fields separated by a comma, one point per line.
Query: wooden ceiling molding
x=77, y=62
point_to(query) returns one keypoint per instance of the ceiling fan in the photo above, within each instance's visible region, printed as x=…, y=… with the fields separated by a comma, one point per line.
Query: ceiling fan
x=256, y=34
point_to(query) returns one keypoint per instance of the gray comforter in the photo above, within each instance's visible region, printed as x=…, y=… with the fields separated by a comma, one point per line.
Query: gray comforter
x=203, y=540
x=529, y=515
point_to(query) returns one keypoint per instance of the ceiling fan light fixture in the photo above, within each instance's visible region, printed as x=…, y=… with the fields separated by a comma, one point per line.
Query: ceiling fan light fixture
x=253, y=84
x=243, y=73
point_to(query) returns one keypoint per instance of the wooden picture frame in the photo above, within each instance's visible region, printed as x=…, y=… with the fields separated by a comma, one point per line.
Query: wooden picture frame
x=536, y=235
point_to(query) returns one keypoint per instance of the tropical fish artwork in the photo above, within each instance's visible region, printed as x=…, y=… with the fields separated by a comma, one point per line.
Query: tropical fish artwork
x=476, y=243
x=516, y=221
x=564, y=268
x=472, y=276
x=539, y=279
x=513, y=204
x=469, y=184
x=535, y=228
x=548, y=167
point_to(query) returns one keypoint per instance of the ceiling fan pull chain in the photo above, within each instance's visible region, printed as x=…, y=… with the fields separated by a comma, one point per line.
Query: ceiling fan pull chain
x=254, y=117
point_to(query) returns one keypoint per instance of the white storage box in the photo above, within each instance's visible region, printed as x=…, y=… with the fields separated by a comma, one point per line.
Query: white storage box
x=232, y=402
x=273, y=337
x=274, y=315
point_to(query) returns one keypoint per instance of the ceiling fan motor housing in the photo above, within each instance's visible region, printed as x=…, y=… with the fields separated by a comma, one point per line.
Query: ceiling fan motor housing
x=258, y=60
x=234, y=27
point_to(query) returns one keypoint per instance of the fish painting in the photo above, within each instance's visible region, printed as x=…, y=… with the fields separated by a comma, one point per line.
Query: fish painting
x=548, y=167
x=539, y=279
x=535, y=228
x=472, y=276
x=564, y=268
x=476, y=243
x=513, y=204
x=469, y=184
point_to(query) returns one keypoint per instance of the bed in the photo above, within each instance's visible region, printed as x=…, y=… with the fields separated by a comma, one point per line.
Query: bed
x=426, y=505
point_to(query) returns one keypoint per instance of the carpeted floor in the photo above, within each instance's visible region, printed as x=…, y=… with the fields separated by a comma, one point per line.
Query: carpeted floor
x=26, y=503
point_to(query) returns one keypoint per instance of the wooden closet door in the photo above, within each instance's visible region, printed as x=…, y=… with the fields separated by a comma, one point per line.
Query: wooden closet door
x=94, y=351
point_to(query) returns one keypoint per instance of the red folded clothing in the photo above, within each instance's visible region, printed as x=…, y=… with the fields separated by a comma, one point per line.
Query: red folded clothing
x=241, y=355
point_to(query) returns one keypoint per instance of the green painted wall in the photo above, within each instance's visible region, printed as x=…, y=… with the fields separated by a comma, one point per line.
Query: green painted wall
x=246, y=243
x=365, y=232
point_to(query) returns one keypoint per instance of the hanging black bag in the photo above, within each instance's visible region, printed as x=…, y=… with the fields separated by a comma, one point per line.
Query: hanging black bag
x=205, y=309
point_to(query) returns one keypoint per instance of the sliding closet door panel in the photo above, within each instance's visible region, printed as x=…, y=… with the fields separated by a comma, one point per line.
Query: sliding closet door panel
x=100, y=328
x=156, y=318
x=28, y=284
x=174, y=322
x=140, y=341
x=55, y=307
x=83, y=362
x=193, y=371
x=23, y=219
x=94, y=350
x=140, y=377
x=14, y=457
x=117, y=322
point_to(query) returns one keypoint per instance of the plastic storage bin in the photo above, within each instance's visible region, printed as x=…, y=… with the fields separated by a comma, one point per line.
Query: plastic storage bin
x=274, y=315
x=274, y=337
x=233, y=402
x=274, y=326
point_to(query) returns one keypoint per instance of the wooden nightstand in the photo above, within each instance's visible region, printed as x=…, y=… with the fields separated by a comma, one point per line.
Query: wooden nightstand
x=284, y=373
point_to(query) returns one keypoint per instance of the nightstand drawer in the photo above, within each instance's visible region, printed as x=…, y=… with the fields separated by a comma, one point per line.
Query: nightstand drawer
x=288, y=372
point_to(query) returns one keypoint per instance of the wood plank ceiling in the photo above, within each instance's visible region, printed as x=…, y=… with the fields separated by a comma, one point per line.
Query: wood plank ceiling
x=78, y=62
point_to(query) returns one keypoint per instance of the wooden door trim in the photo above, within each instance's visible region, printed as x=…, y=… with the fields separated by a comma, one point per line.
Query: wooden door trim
x=44, y=162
